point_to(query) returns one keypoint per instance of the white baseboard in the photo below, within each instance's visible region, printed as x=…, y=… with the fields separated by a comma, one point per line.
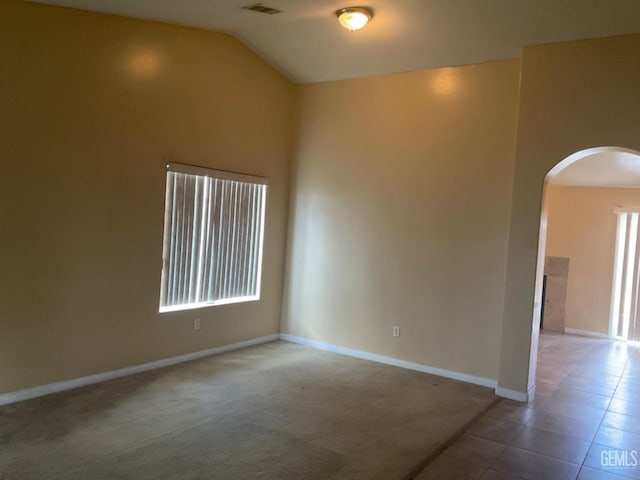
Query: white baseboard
x=12, y=397
x=6, y=398
x=585, y=333
x=374, y=357
x=516, y=394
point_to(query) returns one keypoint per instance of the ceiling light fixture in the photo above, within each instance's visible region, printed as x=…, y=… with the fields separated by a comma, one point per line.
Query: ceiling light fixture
x=354, y=18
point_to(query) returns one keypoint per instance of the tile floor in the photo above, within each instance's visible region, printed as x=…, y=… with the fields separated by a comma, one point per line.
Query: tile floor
x=583, y=424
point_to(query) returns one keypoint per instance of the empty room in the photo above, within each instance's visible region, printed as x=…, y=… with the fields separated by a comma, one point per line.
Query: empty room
x=306, y=239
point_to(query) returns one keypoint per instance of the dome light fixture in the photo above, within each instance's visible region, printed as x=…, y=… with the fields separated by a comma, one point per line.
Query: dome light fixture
x=354, y=18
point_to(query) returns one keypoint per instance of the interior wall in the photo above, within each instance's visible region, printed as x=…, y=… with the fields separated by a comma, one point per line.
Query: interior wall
x=582, y=227
x=573, y=96
x=91, y=108
x=401, y=198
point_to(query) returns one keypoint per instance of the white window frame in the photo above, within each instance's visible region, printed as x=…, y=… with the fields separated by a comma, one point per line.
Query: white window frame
x=188, y=264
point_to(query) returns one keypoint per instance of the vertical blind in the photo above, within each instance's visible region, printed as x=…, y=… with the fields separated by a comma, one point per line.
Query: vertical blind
x=626, y=278
x=213, y=233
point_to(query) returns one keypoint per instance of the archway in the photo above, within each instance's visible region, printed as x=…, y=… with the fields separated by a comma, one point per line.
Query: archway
x=593, y=167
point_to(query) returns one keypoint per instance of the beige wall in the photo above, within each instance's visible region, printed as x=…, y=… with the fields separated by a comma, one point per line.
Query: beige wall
x=401, y=206
x=91, y=108
x=573, y=96
x=581, y=226
x=402, y=192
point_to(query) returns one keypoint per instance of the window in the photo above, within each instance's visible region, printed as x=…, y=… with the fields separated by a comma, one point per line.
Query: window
x=624, y=323
x=213, y=231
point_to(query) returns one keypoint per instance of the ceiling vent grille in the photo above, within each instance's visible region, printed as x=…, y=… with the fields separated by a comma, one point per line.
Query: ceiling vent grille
x=258, y=7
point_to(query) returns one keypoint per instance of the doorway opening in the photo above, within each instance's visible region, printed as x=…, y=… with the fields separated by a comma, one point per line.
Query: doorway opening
x=588, y=267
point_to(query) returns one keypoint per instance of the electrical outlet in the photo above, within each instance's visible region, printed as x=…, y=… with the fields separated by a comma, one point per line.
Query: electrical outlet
x=196, y=324
x=396, y=331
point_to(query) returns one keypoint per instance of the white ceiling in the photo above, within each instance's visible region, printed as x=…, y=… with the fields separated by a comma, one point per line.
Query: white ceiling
x=601, y=169
x=307, y=44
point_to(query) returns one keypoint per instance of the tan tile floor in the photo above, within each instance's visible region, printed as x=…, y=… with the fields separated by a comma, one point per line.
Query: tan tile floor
x=584, y=423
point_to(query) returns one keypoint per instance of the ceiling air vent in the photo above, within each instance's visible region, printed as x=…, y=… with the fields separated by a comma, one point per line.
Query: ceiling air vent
x=258, y=7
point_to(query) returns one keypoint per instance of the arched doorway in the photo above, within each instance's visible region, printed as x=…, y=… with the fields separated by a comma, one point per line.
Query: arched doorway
x=607, y=167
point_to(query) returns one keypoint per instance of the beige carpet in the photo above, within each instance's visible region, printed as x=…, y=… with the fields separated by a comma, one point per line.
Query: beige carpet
x=275, y=411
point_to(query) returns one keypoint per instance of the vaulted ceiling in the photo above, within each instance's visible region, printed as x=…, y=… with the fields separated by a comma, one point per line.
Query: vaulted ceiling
x=306, y=43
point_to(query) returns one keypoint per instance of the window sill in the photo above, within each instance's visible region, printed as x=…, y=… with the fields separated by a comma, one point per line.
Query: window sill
x=193, y=306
